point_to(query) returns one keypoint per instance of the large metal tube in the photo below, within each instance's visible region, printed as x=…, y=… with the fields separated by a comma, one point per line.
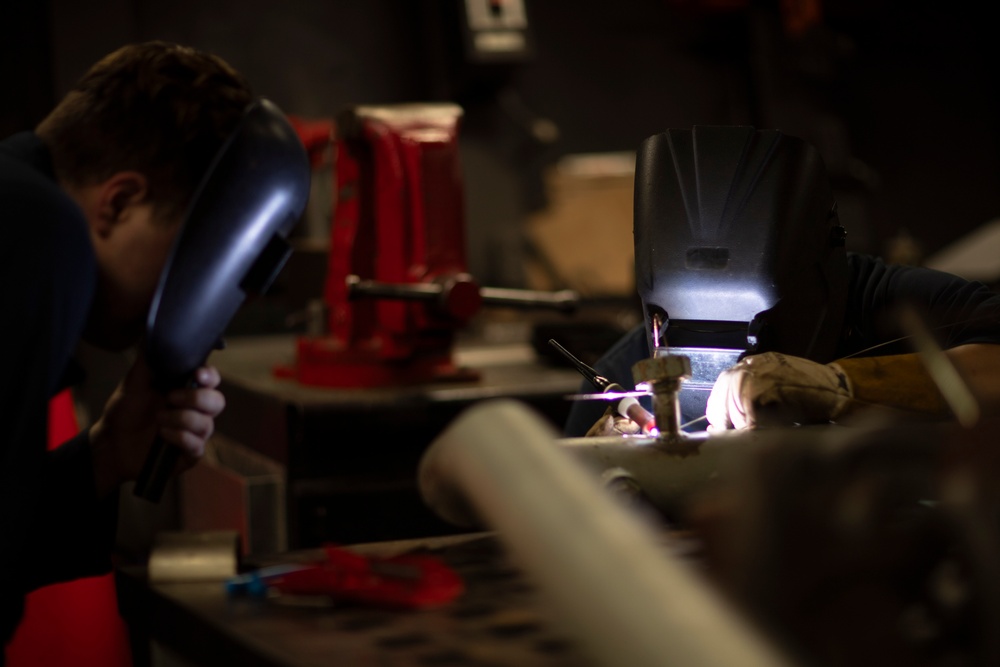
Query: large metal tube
x=613, y=584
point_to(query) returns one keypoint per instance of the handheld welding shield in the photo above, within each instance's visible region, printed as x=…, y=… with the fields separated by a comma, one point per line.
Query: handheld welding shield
x=232, y=243
x=738, y=247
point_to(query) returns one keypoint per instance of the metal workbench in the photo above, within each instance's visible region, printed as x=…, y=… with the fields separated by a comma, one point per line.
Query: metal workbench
x=499, y=620
x=344, y=460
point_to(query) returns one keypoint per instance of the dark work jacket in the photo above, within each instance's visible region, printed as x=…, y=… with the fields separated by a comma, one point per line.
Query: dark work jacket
x=956, y=310
x=52, y=525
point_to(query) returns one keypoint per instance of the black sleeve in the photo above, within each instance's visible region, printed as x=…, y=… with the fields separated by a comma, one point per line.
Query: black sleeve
x=957, y=311
x=51, y=522
x=74, y=530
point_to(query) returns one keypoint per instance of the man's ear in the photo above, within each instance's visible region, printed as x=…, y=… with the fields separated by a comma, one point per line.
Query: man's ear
x=115, y=196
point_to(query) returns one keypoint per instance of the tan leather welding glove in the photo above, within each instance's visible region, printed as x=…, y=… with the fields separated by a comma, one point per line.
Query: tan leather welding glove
x=612, y=423
x=774, y=389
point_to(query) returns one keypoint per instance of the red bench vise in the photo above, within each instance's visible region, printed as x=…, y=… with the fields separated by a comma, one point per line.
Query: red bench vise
x=397, y=287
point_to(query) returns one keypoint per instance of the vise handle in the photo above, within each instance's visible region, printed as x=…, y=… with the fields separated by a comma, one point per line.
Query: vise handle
x=460, y=296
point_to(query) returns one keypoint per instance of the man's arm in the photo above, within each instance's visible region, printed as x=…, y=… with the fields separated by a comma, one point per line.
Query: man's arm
x=903, y=382
x=73, y=528
x=773, y=389
x=963, y=316
x=136, y=414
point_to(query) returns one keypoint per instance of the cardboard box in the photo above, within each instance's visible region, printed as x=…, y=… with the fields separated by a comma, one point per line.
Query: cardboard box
x=584, y=238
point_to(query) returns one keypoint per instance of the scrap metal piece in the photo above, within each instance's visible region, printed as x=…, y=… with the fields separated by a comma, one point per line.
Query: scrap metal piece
x=185, y=556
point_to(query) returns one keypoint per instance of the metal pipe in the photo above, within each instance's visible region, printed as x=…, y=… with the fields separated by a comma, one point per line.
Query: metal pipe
x=614, y=584
x=563, y=300
x=358, y=288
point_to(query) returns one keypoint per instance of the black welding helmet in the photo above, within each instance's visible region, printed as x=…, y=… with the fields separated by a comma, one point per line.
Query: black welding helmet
x=232, y=242
x=737, y=242
x=738, y=250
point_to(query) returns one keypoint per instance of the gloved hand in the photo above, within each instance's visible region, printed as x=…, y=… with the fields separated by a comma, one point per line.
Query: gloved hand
x=612, y=423
x=773, y=389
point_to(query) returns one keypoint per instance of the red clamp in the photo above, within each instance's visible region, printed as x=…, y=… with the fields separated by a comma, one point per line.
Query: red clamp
x=408, y=581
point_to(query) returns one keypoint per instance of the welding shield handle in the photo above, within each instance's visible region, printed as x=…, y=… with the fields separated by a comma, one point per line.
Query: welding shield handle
x=156, y=471
x=159, y=466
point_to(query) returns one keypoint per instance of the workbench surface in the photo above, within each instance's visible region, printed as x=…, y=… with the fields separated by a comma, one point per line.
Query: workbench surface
x=506, y=369
x=499, y=620
x=350, y=456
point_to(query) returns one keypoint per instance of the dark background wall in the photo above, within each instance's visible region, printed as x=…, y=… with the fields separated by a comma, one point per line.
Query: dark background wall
x=900, y=97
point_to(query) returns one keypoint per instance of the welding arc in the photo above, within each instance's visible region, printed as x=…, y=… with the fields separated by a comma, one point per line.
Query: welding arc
x=607, y=396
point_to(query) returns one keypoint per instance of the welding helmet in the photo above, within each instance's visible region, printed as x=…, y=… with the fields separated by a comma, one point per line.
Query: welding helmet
x=232, y=242
x=738, y=246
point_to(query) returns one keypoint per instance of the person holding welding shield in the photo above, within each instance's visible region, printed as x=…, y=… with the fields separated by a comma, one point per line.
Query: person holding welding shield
x=740, y=258
x=91, y=203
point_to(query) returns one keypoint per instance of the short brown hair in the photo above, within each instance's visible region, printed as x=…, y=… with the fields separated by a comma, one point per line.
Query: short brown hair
x=161, y=109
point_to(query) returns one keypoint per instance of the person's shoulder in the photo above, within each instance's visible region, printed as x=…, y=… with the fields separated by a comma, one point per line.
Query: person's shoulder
x=873, y=269
x=860, y=264
x=871, y=272
x=32, y=201
x=24, y=168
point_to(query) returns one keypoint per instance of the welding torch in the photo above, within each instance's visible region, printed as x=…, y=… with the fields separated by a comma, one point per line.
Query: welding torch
x=627, y=407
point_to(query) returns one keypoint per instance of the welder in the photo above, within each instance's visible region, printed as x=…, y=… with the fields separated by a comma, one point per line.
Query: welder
x=93, y=200
x=740, y=255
